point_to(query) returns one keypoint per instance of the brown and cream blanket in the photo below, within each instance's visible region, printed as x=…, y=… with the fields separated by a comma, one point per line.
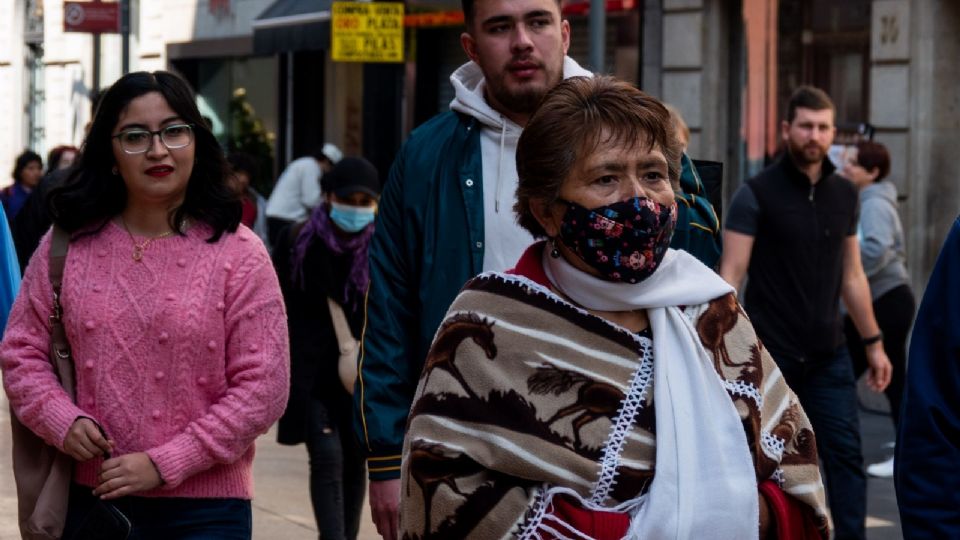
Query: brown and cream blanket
x=521, y=392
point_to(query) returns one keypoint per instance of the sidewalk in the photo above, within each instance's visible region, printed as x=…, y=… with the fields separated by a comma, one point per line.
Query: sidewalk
x=281, y=507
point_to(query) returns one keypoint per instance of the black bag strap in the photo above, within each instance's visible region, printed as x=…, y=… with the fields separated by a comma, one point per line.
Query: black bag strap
x=59, y=346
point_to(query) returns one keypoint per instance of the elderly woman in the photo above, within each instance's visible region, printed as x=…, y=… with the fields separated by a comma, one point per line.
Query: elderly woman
x=608, y=387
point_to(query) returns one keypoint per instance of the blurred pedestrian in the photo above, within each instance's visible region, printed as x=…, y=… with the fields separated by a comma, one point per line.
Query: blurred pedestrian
x=883, y=253
x=27, y=172
x=928, y=445
x=793, y=230
x=174, y=316
x=33, y=220
x=298, y=189
x=61, y=157
x=243, y=168
x=446, y=216
x=322, y=264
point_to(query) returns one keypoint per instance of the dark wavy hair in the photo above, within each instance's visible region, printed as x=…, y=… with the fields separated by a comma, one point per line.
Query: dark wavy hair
x=92, y=195
x=24, y=159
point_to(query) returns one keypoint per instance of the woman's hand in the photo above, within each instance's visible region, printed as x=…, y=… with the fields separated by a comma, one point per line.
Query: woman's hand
x=84, y=440
x=126, y=475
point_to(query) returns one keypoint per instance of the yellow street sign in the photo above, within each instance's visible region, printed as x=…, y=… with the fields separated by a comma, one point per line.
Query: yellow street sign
x=367, y=32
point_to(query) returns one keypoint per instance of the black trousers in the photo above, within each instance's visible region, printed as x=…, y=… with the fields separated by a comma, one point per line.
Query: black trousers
x=337, y=474
x=276, y=227
x=894, y=312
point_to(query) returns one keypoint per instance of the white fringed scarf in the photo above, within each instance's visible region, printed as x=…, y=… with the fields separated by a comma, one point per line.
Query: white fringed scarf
x=705, y=485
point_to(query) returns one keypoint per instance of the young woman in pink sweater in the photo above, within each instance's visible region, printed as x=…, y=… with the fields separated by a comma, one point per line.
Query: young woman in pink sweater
x=174, y=316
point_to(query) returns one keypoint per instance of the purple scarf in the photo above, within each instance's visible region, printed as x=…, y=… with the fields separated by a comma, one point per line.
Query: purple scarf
x=354, y=246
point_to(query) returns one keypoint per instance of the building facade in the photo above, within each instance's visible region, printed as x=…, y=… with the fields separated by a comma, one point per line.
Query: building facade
x=730, y=66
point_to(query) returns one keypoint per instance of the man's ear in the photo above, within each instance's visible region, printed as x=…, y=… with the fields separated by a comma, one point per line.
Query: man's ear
x=546, y=216
x=785, y=131
x=469, y=46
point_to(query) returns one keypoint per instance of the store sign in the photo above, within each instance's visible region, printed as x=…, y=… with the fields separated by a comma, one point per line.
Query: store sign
x=91, y=17
x=367, y=32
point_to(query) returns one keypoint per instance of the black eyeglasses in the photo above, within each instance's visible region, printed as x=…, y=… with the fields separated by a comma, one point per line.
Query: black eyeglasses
x=138, y=141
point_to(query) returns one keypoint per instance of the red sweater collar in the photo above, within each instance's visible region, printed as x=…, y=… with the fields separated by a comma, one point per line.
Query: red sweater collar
x=530, y=264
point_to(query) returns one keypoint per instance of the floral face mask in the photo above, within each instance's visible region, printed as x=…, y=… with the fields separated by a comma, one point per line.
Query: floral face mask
x=623, y=241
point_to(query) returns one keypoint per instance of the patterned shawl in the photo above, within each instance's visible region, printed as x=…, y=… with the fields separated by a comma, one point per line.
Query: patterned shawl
x=521, y=391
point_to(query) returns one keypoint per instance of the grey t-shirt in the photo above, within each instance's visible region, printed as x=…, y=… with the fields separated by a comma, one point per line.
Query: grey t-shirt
x=743, y=215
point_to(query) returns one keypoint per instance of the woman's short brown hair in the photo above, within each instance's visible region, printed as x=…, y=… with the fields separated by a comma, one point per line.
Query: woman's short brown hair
x=576, y=117
x=873, y=155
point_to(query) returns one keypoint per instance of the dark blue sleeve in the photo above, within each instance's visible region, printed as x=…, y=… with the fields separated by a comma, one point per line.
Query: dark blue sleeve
x=927, y=460
x=386, y=382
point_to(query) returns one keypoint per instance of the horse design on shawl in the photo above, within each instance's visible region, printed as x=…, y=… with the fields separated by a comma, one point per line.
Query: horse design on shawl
x=595, y=399
x=452, y=333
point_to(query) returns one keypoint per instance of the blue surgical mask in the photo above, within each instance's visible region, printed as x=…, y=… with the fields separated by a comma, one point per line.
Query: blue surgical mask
x=351, y=219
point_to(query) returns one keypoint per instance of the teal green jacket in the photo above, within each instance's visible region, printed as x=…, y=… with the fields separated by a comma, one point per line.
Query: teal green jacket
x=428, y=243
x=698, y=229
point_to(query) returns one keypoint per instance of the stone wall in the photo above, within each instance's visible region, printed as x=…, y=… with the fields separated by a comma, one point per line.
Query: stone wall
x=925, y=95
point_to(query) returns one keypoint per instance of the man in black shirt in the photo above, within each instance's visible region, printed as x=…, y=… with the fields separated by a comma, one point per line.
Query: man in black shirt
x=792, y=230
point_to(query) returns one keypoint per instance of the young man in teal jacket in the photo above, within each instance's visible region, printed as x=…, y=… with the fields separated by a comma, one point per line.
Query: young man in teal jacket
x=446, y=214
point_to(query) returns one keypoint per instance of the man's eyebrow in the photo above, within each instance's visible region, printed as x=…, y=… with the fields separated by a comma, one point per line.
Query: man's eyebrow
x=497, y=19
x=538, y=13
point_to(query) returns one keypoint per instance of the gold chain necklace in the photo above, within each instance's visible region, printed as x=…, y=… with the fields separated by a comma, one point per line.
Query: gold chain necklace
x=138, y=249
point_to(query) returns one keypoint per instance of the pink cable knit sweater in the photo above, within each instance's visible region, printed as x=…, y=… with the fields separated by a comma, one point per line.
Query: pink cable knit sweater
x=183, y=355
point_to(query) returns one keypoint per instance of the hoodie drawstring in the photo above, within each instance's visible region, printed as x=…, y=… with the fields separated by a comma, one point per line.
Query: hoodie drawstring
x=503, y=136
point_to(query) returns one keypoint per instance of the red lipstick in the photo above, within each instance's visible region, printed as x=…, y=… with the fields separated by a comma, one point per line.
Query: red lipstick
x=159, y=171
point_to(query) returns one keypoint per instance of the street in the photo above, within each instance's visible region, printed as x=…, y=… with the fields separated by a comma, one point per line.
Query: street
x=281, y=508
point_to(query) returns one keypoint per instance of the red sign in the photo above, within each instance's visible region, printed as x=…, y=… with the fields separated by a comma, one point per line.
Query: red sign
x=583, y=7
x=91, y=17
x=433, y=18
x=219, y=7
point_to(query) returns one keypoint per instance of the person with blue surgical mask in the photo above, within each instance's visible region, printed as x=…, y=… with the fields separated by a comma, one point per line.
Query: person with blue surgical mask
x=322, y=265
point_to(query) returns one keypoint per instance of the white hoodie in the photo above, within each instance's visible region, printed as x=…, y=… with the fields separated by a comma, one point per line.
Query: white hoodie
x=505, y=241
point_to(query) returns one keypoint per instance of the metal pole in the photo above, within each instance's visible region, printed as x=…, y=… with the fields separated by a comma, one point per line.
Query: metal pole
x=96, y=63
x=598, y=23
x=125, y=35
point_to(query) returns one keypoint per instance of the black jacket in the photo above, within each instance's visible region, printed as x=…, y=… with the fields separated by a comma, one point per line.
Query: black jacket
x=313, y=342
